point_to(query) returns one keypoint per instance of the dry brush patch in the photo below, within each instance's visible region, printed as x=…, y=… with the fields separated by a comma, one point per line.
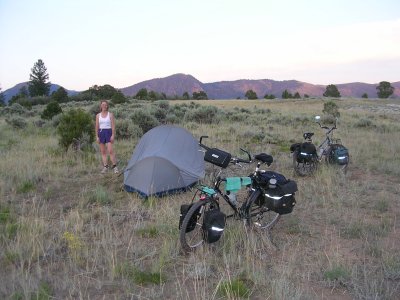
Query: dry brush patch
x=68, y=232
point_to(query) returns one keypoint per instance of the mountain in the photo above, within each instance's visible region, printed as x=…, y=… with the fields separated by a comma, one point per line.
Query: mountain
x=8, y=94
x=178, y=84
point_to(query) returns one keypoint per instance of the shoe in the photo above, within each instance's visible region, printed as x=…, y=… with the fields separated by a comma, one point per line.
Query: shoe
x=105, y=169
x=115, y=170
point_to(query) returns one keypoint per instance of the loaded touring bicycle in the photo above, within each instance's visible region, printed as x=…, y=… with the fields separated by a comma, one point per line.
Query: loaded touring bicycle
x=268, y=195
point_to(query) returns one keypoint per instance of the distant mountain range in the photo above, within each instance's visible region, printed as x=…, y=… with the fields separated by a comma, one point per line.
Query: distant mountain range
x=178, y=84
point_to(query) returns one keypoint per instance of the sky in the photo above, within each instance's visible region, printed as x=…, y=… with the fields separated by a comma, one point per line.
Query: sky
x=123, y=42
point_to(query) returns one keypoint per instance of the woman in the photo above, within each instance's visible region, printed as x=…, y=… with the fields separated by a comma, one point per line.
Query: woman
x=105, y=134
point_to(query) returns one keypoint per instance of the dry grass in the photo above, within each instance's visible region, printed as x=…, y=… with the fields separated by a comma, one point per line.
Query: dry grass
x=66, y=232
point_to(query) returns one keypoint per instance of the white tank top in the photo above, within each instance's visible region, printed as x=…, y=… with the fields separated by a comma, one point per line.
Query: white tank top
x=105, y=123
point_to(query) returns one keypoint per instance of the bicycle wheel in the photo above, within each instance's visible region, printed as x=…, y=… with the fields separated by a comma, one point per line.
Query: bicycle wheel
x=303, y=168
x=258, y=215
x=194, y=237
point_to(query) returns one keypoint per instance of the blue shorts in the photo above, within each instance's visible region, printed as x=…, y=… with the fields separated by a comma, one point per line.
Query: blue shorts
x=104, y=135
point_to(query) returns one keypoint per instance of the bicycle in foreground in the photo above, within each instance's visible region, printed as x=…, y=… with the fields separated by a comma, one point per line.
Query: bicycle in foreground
x=306, y=156
x=268, y=195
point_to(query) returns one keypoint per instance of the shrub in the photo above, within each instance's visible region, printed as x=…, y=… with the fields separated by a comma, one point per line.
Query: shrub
x=144, y=119
x=72, y=127
x=331, y=108
x=363, y=123
x=127, y=129
x=204, y=114
x=17, y=122
x=52, y=109
x=14, y=108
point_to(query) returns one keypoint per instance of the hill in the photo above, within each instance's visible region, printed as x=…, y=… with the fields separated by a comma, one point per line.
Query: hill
x=178, y=84
x=8, y=94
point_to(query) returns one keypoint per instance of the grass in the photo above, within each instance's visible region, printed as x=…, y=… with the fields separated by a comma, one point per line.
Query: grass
x=67, y=232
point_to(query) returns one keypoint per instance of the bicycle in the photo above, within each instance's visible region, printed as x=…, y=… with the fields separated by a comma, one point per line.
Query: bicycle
x=306, y=156
x=268, y=195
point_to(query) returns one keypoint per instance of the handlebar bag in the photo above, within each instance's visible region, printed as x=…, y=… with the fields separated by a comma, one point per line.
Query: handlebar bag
x=193, y=220
x=213, y=225
x=338, y=154
x=306, y=153
x=217, y=157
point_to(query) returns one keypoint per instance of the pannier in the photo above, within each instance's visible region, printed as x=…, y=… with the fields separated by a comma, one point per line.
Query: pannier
x=213, y=225
x=338, y=154
x=306, y=153
x=281, y=198
x=294, y=147
x=192, y=222
x=217, y=157
x=264, y=178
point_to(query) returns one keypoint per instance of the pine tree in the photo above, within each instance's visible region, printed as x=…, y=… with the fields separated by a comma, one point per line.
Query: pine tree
x=38, y=84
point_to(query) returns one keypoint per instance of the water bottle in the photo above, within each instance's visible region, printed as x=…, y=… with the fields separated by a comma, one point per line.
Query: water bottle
x=233, y=198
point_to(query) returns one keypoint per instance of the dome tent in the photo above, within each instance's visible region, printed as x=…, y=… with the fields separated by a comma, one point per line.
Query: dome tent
x=166, y=159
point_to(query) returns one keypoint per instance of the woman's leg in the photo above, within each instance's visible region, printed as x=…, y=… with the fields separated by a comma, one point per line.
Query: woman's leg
x=103, y=152
x=112, y=154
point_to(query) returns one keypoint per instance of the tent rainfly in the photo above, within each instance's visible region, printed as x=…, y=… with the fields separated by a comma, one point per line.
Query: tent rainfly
x=167, y=159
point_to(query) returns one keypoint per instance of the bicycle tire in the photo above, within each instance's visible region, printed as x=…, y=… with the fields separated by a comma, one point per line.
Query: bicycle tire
x=194, y=238
x=258, y=215
x=303, y=169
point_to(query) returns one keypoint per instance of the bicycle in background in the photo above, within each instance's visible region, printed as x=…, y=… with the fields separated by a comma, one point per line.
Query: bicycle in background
x=306, y=156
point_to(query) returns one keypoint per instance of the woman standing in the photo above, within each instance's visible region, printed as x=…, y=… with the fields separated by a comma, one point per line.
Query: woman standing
x=105, y=134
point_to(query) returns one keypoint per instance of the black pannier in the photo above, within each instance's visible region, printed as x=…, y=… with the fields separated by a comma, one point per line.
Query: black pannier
x=306, y=153
x=294, y=147
x=217, y=157
x=281, y=198
x=193, y=220
x=264, y=178
x=338, y=154
x=213, y=225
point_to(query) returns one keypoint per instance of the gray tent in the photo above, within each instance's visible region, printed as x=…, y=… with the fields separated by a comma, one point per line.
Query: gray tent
x=166, y=159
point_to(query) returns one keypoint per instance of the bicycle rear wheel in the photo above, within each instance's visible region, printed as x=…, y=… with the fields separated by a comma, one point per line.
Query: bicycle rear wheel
x=303, y=168
x=258, y=215
x=192, y=235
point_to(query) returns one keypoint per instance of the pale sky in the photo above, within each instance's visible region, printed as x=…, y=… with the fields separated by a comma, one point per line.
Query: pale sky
x=123, y=42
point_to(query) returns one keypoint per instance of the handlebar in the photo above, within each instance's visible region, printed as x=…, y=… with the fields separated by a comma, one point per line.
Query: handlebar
x=262, y=157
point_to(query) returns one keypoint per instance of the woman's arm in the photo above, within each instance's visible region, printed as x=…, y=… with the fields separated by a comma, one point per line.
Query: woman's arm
x=96, y=128
x=112, y=127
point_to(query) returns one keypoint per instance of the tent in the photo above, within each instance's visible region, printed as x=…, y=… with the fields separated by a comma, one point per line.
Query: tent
x=166, y=159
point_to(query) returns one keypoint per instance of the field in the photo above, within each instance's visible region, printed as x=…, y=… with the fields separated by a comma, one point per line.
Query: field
x=69, y=232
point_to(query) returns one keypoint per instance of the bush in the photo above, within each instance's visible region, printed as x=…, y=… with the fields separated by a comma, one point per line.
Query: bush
x=144, y=119
x=204, y=115
x=72, y=127
x=52, y=109
x=127, y=129
x=14, y=108
x=17, y=122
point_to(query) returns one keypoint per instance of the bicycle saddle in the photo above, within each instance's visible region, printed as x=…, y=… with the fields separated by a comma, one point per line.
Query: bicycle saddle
x=265, y=158
x=308, y=135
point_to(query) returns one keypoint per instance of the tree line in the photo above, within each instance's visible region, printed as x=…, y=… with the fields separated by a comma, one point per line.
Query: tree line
x=38, y=92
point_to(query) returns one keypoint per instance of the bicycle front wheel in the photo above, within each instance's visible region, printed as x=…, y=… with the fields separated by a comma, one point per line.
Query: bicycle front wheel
x=258, y=215
x=192, y=234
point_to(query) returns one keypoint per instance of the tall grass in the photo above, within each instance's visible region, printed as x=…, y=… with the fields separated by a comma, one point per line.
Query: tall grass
x=68, y=232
